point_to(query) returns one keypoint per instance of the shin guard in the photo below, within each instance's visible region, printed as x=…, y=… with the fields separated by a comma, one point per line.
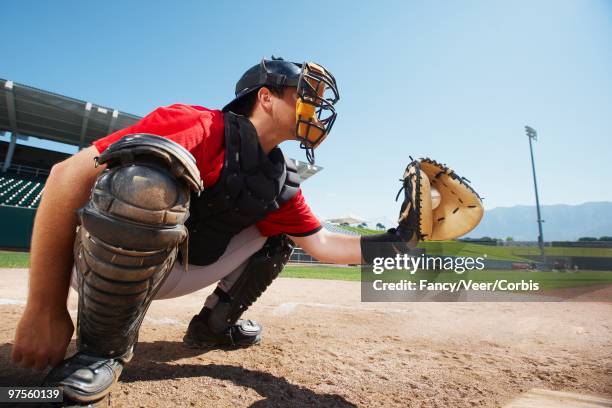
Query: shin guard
x=128, y=239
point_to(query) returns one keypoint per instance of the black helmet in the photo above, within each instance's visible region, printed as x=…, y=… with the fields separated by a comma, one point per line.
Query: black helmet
x=274, y=73
x=316, y=90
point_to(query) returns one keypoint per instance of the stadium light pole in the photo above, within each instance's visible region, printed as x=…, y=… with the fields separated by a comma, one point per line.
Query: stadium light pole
x=533, y=135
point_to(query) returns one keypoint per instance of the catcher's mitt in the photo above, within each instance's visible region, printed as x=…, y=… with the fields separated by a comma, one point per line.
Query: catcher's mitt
x=458, y=212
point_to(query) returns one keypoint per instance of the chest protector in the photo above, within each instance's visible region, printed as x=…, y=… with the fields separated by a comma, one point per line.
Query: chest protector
x=251, y=185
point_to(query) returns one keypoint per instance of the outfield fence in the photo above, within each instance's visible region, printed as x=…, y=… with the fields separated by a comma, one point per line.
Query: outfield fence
x=301, y=257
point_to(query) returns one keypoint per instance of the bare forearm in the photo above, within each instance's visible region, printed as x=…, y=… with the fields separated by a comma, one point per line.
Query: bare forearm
x=329, y=247
x=67, y=189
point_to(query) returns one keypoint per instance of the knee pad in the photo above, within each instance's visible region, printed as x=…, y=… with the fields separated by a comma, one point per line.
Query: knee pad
x=128, y=238
x=262, y=268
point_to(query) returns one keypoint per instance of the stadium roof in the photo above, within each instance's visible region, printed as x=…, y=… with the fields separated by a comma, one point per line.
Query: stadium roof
x=25, y=110
x=30, y=111
x=33, y=156
x=306, y=170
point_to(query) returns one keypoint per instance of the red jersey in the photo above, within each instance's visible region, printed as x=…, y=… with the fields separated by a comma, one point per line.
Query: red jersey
x=201, y=131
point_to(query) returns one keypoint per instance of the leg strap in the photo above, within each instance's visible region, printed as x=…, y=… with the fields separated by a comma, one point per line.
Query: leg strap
x=262, y=268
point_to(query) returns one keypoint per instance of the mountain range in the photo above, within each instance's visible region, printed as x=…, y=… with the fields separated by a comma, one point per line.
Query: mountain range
x=561, y=222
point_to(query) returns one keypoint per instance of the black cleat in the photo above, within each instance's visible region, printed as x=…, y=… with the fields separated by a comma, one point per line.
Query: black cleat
x=243, y=333
x=84, y=378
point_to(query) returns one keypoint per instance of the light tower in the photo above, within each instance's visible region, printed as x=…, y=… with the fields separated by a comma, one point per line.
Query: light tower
x=533, y=135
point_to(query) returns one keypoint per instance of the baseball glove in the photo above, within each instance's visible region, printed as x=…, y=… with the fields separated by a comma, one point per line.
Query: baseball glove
x=459, y=209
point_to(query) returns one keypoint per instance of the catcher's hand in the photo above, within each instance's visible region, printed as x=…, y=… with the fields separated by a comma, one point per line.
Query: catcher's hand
x=459, y=209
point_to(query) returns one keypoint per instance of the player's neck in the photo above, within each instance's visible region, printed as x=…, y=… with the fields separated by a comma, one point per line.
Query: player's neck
x=267, y=134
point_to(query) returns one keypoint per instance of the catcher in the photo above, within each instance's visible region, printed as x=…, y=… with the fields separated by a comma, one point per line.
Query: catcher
x=191, y=196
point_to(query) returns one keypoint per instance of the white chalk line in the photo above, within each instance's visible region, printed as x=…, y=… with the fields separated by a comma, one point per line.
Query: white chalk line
x=289, y=307
x=164, y=321
x=4, y=301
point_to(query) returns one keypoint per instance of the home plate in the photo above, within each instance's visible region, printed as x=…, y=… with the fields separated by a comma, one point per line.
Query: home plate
x=553, y=399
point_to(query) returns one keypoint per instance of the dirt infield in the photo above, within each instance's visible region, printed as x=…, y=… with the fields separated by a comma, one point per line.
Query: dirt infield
x=323, y=347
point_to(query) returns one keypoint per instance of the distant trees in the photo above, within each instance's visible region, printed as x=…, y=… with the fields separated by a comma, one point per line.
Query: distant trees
x=363, y=225
x=591, y=239
x=380, y=226
x=487, y=239
x=483, y=240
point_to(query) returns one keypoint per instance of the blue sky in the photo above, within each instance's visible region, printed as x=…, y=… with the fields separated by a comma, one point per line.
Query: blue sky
x=456, y=81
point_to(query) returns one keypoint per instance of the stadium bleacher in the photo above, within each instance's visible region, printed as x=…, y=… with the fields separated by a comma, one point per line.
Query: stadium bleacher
x=20, y=190
x=338, y=229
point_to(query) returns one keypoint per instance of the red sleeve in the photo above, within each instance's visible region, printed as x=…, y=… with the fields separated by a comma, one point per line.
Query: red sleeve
x=197, y=129
x=179, y=123
x=292, y=218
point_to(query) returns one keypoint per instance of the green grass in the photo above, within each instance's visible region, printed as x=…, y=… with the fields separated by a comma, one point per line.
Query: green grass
x=458, y=248
x=510, y=253
x=351, y=273
x=361, y=231
x=563, y=251
x=14, y=259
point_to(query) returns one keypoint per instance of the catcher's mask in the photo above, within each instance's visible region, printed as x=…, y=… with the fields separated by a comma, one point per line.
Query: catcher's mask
x=315, y=113
x=316, y=89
